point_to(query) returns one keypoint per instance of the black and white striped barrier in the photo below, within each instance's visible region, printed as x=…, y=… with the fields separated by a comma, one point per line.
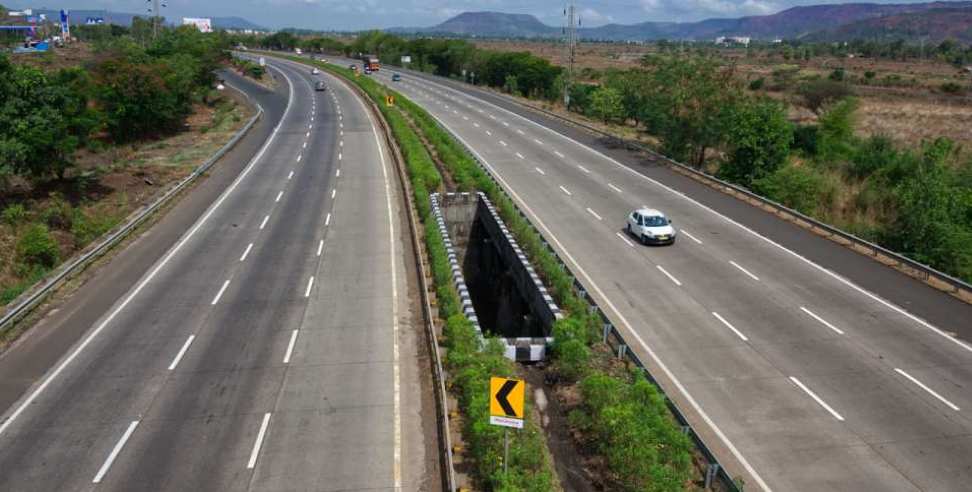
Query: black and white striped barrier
x=521, y=349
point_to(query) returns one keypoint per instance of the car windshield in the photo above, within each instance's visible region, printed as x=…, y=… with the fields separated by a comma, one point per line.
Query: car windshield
x=656, y=221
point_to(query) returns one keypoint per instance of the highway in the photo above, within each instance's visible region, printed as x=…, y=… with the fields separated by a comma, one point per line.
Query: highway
x=798, y=378
x=271, y=347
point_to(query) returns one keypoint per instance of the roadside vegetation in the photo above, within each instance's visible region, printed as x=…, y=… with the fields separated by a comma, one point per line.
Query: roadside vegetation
x=83, y=145
x=626, y=427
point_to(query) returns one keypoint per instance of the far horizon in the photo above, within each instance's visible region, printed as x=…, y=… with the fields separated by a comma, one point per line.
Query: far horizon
x=342, y=15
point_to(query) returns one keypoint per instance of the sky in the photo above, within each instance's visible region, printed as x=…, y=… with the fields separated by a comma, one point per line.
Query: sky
x=365, y=14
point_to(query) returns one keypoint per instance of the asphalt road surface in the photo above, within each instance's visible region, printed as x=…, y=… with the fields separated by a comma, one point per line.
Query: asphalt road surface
x=798, y=378
x=269, y=348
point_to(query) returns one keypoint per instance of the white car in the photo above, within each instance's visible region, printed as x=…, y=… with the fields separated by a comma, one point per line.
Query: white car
x=650, y=226
x=315, y=71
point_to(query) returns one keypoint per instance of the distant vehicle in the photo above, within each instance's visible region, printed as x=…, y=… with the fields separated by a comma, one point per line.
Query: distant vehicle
x=353, y=67
x=367, y=70
x=315, y=71
x=650, y=227
x=320, y=86
x=371, y=62
x=298, y=51
x=396, y=77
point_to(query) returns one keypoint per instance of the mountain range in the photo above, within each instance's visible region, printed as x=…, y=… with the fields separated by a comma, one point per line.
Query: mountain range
x=814, y=21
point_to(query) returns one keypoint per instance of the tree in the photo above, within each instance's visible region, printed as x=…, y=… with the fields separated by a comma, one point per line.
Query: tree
x=816, y=95
x=606, y=104
x=683, y=101
x=836, y=131
x=758, y=138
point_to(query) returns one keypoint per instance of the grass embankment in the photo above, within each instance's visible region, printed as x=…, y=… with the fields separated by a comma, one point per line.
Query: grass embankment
x=42, y=226
x=623, y=418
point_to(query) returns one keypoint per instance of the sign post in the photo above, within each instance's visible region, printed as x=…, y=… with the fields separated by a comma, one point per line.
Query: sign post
x=506, y=409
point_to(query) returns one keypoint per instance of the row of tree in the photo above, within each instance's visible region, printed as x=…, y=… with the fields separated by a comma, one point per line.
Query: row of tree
x=136, y=88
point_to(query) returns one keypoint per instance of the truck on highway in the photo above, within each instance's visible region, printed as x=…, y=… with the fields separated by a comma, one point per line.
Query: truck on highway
x=371, y=63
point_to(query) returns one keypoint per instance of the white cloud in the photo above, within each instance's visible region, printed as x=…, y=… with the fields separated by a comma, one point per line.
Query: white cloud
x=591, y=17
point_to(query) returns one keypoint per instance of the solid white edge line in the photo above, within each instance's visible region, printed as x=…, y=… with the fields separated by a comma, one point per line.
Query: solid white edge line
x=114, y=452
x=670, y=276
x=519, y=155
x=615, y=188
x=310, y=284
x=327, y=220
x=396, y=383
x=279, y=196
x=733, y=328
x=320, y=247
x=624, y=322
x=929, y=390
x=290, y=347
x=564, y=190
x=816, y=398
x=628, y=242
x=741, y=269
x=687, y=233
x=259, y=441
x=598, y=217
x=822, y=321
x=264, y=223
x=220, y=293
x=800, y=257
x=182, y=351
x=290, y=176
x=246, y=251
x=333, y=192
x=158, y=267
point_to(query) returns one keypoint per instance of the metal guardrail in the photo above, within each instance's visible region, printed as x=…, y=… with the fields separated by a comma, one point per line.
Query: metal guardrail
x=442, y=410
x=714, y=470
x=935, y=278
x=33, y=297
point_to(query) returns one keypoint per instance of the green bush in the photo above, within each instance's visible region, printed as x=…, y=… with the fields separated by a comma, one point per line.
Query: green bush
x=952, y=88
x=805, y=139
x=817, y=95
x=87, y=228
x=797, y=187
x=37, y=247
x=757, y=84
x=635, y=433
x=875, y=153
x=58, y=214
x=838, y=74
x=14, y=214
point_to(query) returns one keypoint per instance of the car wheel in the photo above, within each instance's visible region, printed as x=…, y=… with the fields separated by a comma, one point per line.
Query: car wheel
x=644, y=239
x=628, y=228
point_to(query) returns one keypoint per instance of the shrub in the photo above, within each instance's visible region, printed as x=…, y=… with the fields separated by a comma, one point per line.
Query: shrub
x=38, y=247
x=816, y=95
x=875, y=153
x=952, y=88
x=797, y=187
x=14, y=214
x=838, y=74
x=805, y=139
x=59, y=214
x=757, y=84
x=869, y=75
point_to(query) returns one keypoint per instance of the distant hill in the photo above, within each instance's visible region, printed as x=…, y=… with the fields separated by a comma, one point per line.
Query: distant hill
x=933, y=26
x=78, y=17
x=490, y=24
x=796, y=22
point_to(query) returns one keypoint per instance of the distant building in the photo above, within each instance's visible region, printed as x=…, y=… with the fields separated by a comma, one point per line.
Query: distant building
x=728, y=40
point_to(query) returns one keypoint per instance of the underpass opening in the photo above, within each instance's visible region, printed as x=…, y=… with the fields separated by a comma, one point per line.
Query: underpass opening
x=500, y=291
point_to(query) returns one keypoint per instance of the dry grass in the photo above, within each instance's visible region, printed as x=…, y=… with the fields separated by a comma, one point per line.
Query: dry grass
x=913, y=121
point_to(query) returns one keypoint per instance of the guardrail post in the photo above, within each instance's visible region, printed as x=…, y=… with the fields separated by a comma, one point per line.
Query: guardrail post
x=607, y=332
x=710, y=474
x=622, y=350
x=686, y=429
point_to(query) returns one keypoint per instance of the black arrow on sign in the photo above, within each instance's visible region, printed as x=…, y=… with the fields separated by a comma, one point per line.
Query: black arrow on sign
x=501, y=397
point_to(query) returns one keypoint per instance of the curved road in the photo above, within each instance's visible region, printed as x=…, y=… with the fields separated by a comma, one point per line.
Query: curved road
x=271, y=347
x=798, y=378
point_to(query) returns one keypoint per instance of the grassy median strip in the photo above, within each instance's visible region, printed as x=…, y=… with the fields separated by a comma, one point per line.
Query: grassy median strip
x=469, y=363
x=622, y=417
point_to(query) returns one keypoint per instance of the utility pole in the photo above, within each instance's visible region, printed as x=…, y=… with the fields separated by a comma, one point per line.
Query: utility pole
x=155, y=9
x=570, y=44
